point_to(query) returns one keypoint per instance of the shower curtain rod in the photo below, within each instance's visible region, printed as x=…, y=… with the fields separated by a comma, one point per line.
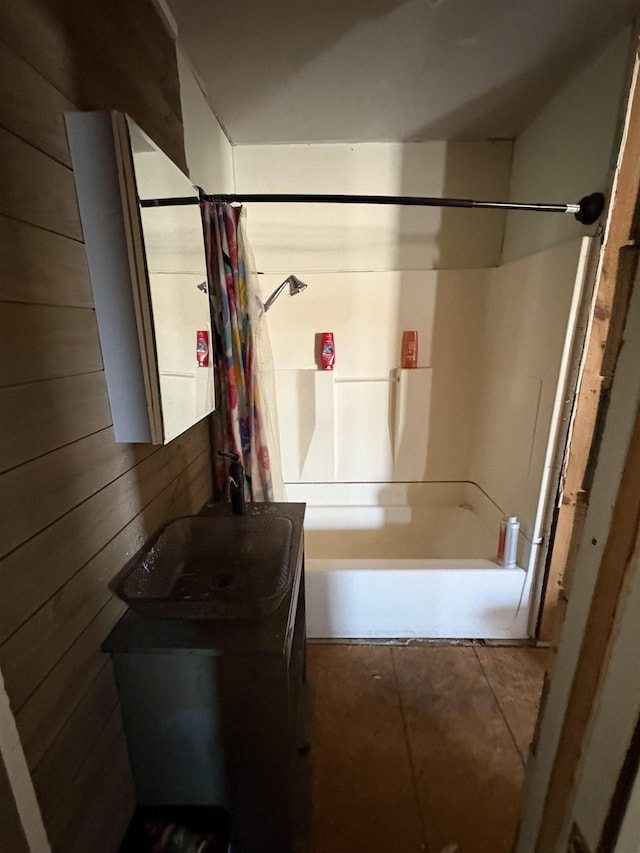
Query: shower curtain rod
x=587, y=210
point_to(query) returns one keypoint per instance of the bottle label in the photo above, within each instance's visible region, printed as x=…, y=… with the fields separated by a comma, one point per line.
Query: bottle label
x=328, y=354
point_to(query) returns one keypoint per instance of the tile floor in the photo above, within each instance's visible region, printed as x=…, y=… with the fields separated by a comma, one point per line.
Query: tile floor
x=419, y=748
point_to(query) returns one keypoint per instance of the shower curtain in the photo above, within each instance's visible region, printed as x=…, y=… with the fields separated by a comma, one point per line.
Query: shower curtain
x=245, y=420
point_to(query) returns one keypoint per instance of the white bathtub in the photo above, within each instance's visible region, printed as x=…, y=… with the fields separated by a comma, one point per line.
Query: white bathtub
x=402, y=561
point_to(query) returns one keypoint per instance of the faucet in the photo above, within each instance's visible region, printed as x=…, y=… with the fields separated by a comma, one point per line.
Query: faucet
x=236, y=482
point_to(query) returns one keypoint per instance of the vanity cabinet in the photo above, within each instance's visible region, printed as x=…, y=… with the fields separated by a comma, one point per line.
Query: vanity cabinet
x=216, y=712
x=148, y=275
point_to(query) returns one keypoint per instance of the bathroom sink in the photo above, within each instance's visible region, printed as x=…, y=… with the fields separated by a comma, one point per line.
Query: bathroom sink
x=203, y=567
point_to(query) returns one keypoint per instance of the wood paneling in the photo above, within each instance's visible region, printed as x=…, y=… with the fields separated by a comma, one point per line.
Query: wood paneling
x=56, y=698
x=36, y=189
x=74, y=505
x=31, y=107
x=34, y=649
x=36, y=494
x=41, y=267
x=49, y=702
x=34, y=572
x=152, y=48
x=90, y=56
x=62, y=761
x=70, y=409
x=42, y=342
x=102, y=796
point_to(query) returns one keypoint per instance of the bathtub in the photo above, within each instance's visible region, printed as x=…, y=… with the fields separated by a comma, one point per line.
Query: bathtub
x=406, y=561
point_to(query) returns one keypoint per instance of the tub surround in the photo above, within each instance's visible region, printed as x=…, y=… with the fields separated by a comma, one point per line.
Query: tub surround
x=407, y=560
x=467, y=437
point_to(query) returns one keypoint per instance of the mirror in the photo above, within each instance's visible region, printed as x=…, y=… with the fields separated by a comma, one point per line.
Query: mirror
x=148, y=274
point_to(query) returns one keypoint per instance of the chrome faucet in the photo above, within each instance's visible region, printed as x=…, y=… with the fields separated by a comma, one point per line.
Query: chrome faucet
x=236, y=483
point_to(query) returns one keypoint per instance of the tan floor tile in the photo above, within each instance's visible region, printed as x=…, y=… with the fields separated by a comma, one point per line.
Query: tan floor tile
x=364, y=798
x=468, y=771
x=516, y=676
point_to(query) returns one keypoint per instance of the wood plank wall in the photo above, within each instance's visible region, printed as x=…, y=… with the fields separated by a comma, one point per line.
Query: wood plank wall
x=74, y=505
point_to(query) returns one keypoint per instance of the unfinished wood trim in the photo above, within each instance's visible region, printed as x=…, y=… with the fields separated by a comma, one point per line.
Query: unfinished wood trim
x=552, y=575
x=615, y=563
x=621, y=229
x=627, y=268
x=66, y=545
x=41, y=267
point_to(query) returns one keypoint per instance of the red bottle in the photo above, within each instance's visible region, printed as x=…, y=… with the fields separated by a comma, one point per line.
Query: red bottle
x=327, y=351
x=202, y=348
x=409, y=349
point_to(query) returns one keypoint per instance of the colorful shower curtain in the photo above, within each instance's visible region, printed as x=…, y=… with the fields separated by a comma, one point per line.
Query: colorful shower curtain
x=245, y=420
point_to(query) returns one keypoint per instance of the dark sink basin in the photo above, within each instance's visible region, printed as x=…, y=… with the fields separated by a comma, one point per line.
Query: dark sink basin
x=204, y=567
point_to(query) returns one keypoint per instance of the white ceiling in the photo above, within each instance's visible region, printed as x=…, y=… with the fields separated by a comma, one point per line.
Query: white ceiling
x=382, y=70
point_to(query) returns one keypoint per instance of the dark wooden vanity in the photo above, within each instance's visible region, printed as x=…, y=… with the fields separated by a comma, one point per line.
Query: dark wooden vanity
x=216, y=711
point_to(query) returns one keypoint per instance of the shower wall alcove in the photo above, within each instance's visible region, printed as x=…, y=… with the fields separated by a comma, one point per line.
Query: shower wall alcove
x=406, y=474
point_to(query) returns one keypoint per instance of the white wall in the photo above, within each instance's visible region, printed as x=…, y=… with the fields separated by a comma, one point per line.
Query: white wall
x=209, y=152
x=525, y=322
x=378, y=433
x=567, y=152
x=374, y=271
x=493, y=335
x=300, y=238
x=482, y=411
x=371, y=274
x=615, y=716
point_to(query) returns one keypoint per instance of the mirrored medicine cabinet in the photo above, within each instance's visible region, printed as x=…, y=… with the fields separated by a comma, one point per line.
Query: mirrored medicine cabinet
x=148, y=275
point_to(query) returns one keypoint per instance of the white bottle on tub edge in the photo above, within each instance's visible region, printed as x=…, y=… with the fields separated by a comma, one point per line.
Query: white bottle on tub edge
x=512, y=529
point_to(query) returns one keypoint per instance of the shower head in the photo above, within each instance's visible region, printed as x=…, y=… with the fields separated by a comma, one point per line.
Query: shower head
x=295, y=286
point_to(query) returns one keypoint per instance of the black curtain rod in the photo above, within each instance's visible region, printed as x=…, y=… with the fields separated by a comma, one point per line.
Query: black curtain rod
x=587, y=210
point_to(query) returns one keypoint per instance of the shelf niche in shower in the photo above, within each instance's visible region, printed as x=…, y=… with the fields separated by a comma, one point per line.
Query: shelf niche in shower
x=383, y=422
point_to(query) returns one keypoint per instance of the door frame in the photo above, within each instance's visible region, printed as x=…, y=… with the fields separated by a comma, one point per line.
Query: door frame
x=599, y=517
x=610, y=301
